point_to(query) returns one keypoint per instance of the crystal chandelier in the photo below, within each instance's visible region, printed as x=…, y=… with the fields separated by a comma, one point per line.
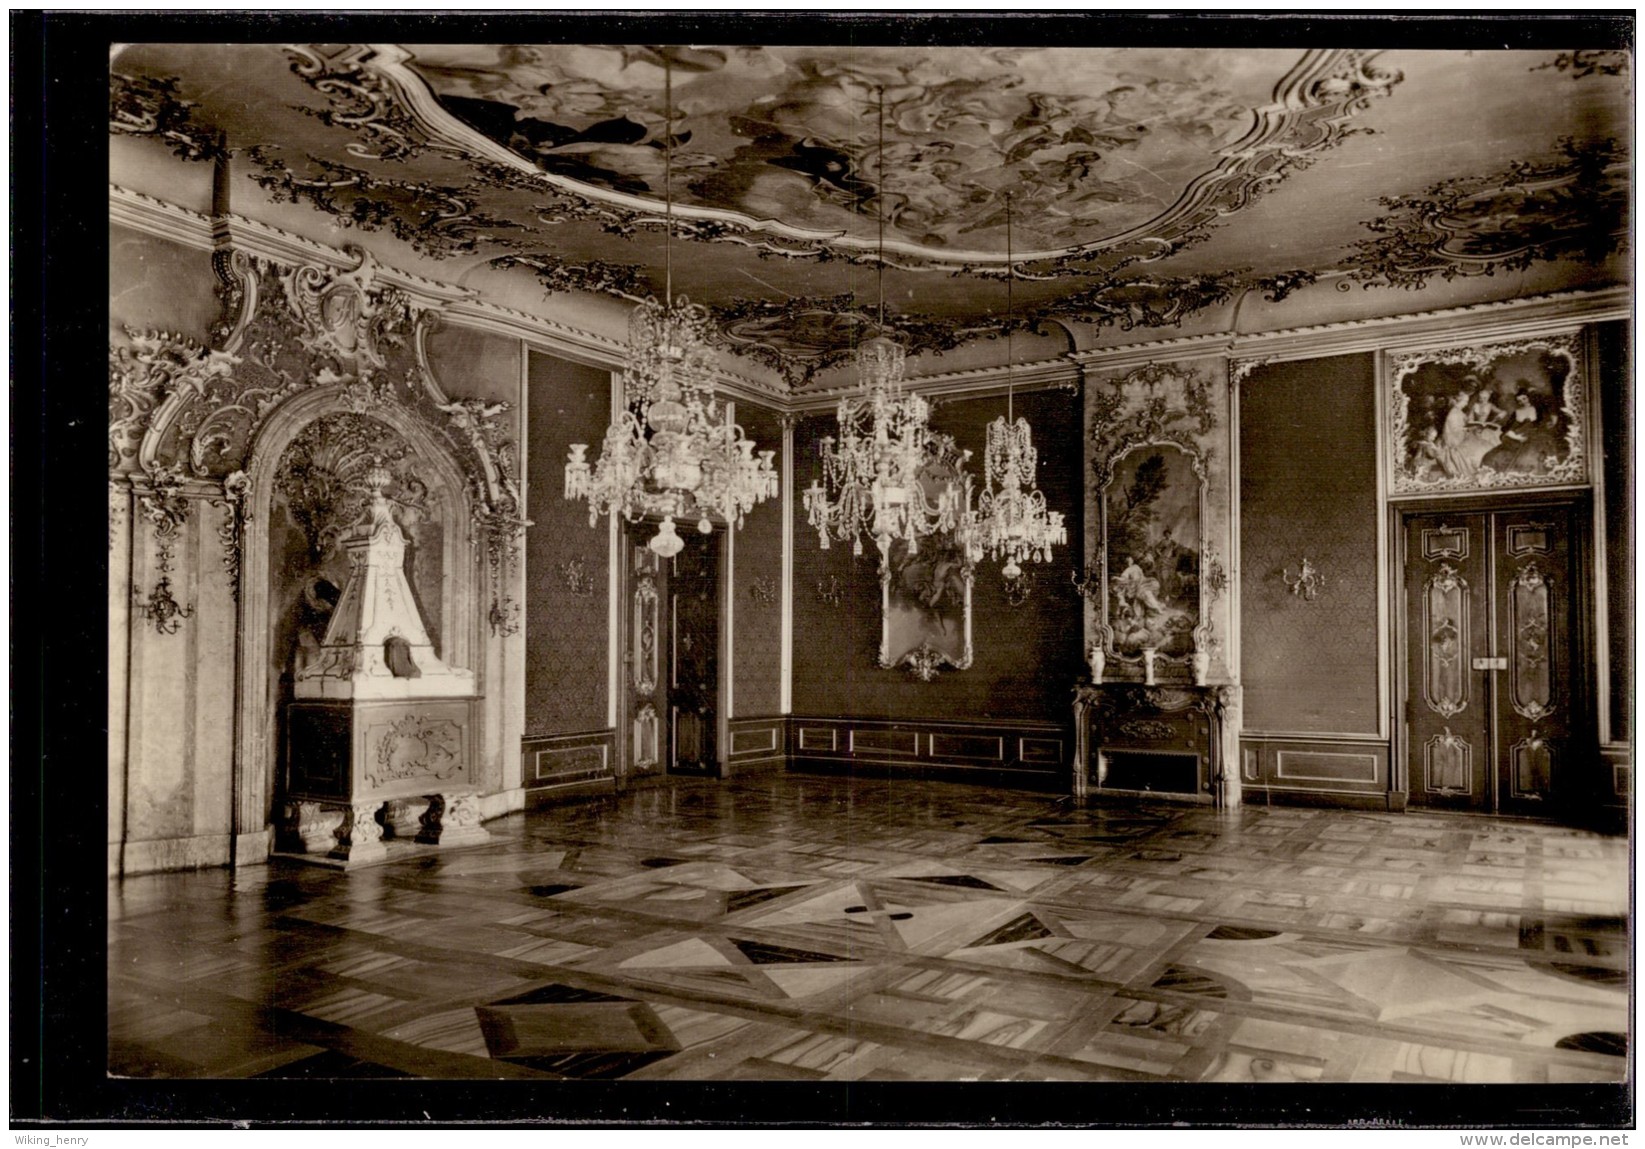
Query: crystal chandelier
x=675, y=452
x=871, y=482
x=1011, y=520
x=873, y=470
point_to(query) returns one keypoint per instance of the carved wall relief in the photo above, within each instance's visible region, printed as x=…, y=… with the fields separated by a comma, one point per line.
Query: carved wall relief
x=415, y=746
x=1449, y=764
x=1530, y=632
x=645, y=626
x=327, y=359
x=1445, y=628
x=647, y=730
x=286, y=331
x=1533, y=767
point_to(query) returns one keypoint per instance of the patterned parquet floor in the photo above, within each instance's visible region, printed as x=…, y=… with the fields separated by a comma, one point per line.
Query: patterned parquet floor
x=789, y=926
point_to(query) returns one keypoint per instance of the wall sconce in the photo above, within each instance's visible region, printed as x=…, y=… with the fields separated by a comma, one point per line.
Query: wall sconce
x=830, y=592
x=162, y=609
x=1308, y=582
x=1088, y=583
x=576, y=578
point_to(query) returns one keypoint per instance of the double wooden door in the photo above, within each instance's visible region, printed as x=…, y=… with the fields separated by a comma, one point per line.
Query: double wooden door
x=1490, y=653
x=672, y=657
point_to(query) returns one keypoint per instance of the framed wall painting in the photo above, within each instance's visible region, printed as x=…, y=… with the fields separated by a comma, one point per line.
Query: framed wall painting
x=1153, y=516
x=1488, y=417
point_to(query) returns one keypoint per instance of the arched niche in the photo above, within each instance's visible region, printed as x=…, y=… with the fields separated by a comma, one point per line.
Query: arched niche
x=290, y=538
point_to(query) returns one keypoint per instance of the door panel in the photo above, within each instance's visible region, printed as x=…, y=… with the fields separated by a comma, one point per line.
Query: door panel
x=1488, y=650
x=694, y=656
x=647, y=710
x=1533, y=582
x=1447, y=628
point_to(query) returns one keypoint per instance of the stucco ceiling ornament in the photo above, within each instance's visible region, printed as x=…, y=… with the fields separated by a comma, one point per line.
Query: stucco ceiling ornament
x=150, y=106
x=1573, y=205
x=344, y=315
x=361, y=100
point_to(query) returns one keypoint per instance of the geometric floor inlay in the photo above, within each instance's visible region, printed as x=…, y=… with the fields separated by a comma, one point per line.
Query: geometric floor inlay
x=785, y=926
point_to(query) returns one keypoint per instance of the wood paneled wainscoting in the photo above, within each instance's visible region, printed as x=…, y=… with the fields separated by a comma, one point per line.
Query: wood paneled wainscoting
x=569, y=765
x=1317, y=771
x=1027, y=755
x=755, y=743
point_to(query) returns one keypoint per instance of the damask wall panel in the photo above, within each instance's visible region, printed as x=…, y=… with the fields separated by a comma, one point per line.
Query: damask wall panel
x=1308, y=489
x=567, y=561
x=1616, y=406
x=162, y=286
x=1026, y=656
x=757, y=587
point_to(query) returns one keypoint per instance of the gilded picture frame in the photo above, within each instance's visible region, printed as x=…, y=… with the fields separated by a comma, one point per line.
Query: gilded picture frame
x=1488, y=416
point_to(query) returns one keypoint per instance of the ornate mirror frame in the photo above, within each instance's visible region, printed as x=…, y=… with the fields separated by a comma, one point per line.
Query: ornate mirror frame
x=943, y=567
x=1133, y=662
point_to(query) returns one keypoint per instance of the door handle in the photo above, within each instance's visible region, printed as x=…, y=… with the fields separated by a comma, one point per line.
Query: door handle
x=1490, y=664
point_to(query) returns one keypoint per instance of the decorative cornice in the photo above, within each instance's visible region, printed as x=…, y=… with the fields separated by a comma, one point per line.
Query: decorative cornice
x=968, y=382
x=1491, y=320
x=459, y=305
x=156, y=217
x=257, y=238
x=1487, y=322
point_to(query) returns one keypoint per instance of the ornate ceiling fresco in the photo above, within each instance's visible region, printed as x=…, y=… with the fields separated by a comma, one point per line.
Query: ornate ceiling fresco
x=1147, y=185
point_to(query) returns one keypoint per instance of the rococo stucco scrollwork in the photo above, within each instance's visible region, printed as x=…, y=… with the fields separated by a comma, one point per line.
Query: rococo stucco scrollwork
x=194, y=412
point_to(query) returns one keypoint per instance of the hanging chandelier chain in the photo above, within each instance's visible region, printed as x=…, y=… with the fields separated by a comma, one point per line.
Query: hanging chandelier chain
x=879, y=209
x=875, y=473
x=668, y=180
x=1010, y=278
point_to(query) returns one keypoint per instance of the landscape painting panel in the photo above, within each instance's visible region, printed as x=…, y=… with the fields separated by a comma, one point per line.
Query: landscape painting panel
x=1151, y=514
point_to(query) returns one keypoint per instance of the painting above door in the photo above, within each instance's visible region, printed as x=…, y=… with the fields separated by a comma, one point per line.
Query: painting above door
x=1487, y=417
